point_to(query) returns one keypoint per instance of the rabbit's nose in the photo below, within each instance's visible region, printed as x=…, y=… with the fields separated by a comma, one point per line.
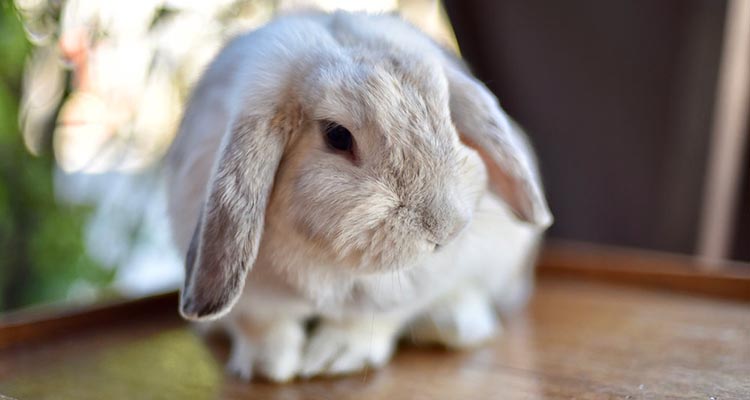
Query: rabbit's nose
x=444, y=225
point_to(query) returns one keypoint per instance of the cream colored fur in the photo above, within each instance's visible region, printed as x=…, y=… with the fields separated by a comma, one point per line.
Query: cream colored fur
x=407, y=236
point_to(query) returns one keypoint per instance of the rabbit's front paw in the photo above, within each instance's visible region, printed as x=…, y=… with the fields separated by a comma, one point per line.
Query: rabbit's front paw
x=464, y=319
x=272, y=351
x=337, y=348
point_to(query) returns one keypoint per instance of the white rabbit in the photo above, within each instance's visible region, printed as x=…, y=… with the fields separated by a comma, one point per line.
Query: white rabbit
x=318, y=173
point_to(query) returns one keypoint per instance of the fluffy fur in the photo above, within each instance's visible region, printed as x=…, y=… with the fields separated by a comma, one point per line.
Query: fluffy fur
x=277, y=228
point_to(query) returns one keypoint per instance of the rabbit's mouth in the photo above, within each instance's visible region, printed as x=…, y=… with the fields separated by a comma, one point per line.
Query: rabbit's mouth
x=385, y=248
x=390, y=250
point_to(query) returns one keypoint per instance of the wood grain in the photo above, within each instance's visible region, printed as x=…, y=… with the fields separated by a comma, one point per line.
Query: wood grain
x=579, y=340
x=725, y=279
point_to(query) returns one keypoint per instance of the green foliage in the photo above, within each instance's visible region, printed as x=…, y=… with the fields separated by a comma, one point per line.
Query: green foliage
x=42, y=249
x=13, y=43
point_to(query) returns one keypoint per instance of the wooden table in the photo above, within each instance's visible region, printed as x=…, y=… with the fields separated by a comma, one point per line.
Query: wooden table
x=582, y=340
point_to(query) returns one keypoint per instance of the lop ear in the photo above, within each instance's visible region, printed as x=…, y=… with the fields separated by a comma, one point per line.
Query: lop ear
x=226, y=238
x=484, y=126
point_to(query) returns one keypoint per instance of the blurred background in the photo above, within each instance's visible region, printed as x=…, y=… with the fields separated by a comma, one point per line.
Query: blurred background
x=627, y=103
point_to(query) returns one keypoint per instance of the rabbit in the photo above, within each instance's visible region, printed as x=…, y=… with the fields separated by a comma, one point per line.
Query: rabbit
x=346, y=169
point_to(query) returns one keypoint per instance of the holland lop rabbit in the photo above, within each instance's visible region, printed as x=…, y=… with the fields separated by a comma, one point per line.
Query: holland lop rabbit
x=344, y=167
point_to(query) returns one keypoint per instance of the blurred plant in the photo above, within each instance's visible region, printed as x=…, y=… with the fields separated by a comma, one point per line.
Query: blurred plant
x=42, y=249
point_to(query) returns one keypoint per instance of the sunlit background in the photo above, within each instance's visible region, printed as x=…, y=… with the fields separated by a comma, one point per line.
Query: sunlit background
x=91, y=93
x=638, y=111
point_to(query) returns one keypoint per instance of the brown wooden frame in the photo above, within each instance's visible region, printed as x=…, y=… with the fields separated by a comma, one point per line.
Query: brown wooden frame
x=645, y=268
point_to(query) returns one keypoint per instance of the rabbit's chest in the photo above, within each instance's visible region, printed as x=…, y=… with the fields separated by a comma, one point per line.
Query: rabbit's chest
x=404, y=291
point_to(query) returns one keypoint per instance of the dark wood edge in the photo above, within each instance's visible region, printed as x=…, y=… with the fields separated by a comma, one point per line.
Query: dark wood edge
x=683, y=273
x=558, y=260
x=28, y=326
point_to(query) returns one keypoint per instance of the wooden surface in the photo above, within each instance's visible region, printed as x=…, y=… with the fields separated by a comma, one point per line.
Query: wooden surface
x=576, y=340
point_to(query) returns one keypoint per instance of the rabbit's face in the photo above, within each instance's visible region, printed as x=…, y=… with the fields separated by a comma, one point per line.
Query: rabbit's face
x=377, y=177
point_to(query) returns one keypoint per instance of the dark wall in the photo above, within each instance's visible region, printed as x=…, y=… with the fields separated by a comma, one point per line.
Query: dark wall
x=741, y=248
x=617, y=97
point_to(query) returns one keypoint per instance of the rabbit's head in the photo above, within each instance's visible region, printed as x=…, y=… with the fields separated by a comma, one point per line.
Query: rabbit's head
x=377, y=175
x=361, y=155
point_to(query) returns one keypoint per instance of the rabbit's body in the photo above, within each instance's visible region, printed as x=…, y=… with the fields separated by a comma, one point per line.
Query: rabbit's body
x=399, y=232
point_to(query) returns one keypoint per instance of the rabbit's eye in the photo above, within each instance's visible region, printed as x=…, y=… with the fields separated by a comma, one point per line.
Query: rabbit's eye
x=338, y=137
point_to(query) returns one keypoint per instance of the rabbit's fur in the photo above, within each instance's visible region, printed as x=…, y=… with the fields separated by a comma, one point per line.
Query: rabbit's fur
x=403, y=235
